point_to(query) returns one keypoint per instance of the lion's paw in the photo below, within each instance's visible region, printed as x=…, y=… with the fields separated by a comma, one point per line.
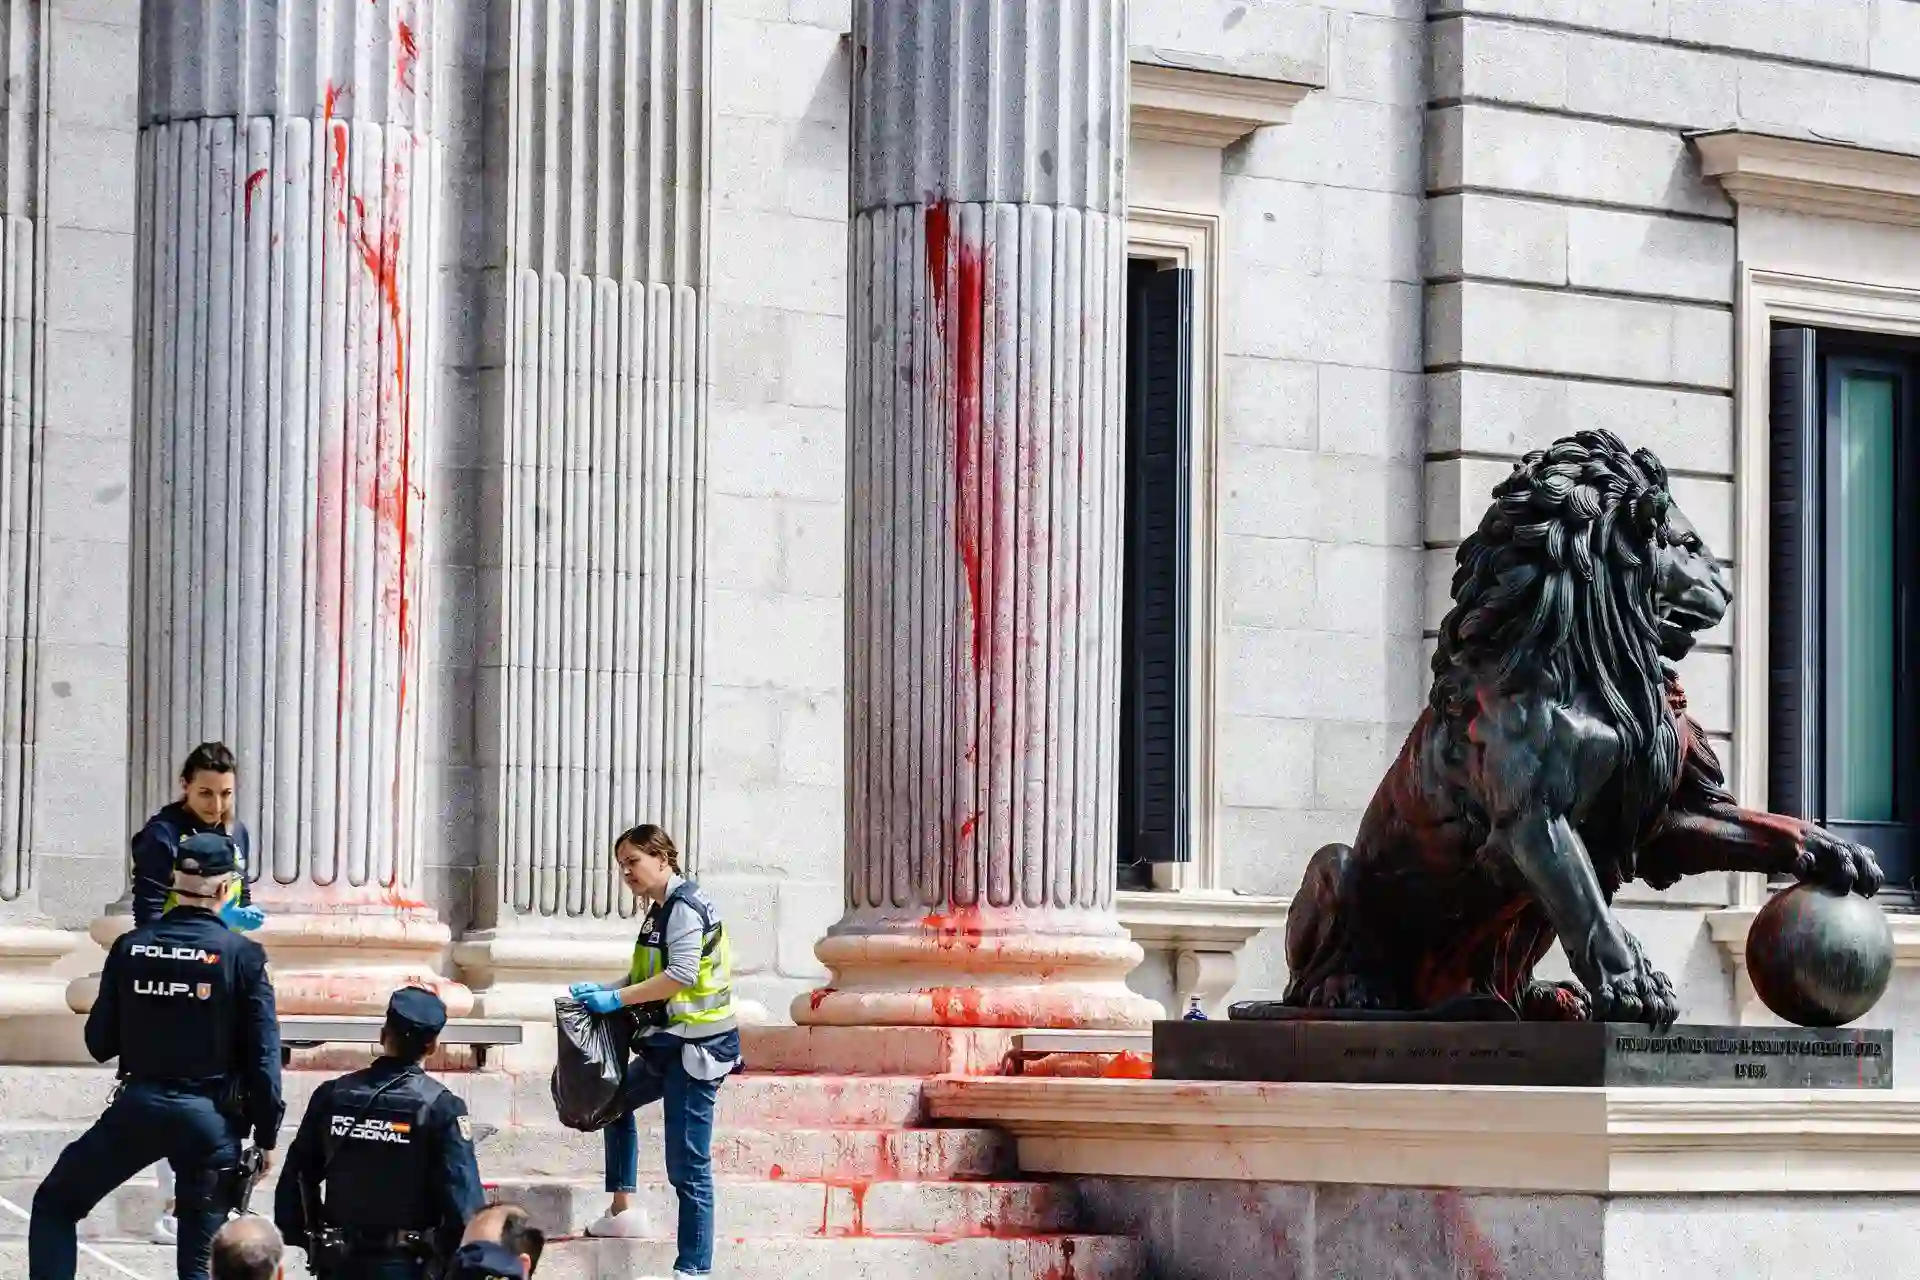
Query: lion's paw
x=1838, y=865
x=1555, y=1002
x=1642, y=994
x=1343, y=991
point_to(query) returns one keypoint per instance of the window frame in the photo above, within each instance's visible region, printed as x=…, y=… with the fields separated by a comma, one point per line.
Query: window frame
x=1765, y=298
x=1814, y=618
x=1192, y=241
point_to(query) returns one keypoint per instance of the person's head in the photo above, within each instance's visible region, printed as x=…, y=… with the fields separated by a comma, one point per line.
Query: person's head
x=248, y=1248
x=511, y=1227
x=647, y=859
x=415, y=1017
x=204, y=866
x=206, y=783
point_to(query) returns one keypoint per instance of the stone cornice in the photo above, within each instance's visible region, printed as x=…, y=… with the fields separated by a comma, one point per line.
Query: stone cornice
x=1806, y=175
x=1205, y=108
x=1605, y=1141
x=1198, y=917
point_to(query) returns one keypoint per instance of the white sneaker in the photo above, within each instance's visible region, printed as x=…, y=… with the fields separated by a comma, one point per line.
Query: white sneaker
x=166, y=1229
x=630, y=1225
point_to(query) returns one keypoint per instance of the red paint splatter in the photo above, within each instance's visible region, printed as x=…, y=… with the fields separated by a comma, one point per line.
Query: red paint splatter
x=254, y=180
x=816, y=998
x=776, y=1173
x=1128, y=1065
x=408, y=58
x=960, y=927
x=961, y=333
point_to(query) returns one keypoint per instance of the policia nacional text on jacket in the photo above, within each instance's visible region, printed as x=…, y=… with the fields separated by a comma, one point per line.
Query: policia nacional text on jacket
x=381, y=1177
x=187, y=1006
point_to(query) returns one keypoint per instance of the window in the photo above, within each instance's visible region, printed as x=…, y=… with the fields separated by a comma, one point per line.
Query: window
x=1844, y=696
x=1156, y=594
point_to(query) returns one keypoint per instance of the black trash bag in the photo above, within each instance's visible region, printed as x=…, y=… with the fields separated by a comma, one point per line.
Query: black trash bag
x=591, y=1065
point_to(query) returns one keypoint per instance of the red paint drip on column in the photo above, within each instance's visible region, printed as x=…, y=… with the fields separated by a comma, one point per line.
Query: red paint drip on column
x=960, y=333
x=408, y=57
x=254, y=180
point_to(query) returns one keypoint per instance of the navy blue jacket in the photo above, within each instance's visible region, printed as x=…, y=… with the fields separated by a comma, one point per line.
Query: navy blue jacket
x=188, y=1001
x=387, y=1147
x=153, y=847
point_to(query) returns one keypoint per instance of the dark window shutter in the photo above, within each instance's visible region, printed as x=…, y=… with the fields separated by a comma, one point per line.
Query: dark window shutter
x=1793, y=659
x=1154, y=680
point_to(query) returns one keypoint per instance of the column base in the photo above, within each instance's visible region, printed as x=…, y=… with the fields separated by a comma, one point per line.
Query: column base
x=343, y=964
x=517, y=972
x=971, y=969
x=36, y=1027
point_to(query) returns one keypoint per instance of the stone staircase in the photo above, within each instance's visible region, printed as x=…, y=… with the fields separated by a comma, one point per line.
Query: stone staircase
x=820, y=1178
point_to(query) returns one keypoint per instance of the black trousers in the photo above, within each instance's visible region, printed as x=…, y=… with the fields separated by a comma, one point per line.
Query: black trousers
x=145, y=1124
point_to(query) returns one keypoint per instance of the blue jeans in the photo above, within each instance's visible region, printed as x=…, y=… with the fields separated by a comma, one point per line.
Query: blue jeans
x=656, y=1075
x=145, y=1123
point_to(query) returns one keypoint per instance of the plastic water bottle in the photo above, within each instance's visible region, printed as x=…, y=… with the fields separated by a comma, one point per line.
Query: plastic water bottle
x=1194, y=1012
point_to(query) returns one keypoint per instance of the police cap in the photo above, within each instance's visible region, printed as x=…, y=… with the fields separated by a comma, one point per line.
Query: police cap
x=485, y=1260
x=417, y=1012
x=206, y=854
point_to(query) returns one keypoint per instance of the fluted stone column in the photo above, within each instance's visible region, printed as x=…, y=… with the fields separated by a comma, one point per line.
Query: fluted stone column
x=592, y=698
x=984, y=340
x=285, y=354
x=40, y=553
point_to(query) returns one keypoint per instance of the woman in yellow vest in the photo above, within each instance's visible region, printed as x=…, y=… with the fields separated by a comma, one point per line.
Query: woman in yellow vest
x=680, y=990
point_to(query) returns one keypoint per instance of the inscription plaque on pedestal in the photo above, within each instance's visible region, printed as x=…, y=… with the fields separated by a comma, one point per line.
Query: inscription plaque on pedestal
x=1524, y=1053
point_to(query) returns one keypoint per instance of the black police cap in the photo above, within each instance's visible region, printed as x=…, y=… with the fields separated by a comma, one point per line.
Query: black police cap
x=416, y=1011
x=485, y=1260
x=206, y=853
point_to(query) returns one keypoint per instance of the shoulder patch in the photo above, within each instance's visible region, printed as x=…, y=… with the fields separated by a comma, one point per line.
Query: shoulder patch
x=466, y=1128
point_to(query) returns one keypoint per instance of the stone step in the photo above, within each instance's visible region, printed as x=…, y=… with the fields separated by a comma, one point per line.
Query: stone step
x=896, y=1155
x=78, y=1094
x=1014, y=1257
x=746, y=1208
x=847, y=1155
x=800, y=1208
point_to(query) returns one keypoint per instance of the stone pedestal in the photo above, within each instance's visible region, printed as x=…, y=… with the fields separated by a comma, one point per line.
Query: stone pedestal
x=285, y=355
x=984, y=346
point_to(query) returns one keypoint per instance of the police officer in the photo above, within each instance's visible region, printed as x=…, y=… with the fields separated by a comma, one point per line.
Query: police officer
x=187, y=1006
x=381, y=1178
x=207, y=784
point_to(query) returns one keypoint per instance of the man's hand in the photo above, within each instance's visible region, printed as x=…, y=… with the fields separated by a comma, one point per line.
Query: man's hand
x=241, y=919
x=581, y=990
x=601, y=1001
x=266, y=1161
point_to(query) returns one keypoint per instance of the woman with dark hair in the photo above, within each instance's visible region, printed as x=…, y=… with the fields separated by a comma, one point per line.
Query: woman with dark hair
x=679, y=991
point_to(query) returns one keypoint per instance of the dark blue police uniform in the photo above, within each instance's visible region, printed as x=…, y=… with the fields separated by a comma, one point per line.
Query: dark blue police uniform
x=384, y=1161
x=484, y=1260
x=186, y=1004
x=153, y=849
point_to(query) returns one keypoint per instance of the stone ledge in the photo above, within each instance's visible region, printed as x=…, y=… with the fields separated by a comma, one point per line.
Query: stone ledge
x=1203, y=107
x=1728, y=929
x=1201, y=933
x=1605, y=1141
x=1807, y=175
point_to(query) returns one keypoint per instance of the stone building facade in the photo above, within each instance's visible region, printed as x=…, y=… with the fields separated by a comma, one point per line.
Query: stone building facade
x=452, y=404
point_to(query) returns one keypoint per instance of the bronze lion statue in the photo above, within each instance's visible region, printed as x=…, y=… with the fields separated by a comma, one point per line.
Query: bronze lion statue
x=1555, y=761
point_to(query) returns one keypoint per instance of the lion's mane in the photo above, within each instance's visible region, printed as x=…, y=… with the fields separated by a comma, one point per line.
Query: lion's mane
x=1554, y=595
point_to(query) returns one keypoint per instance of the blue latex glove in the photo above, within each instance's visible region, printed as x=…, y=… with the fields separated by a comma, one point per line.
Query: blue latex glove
x=241, y=919
x=581, y=990
x=601, y=1001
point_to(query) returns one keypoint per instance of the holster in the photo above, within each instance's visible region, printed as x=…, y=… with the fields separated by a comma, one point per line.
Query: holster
x=653, y=1014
